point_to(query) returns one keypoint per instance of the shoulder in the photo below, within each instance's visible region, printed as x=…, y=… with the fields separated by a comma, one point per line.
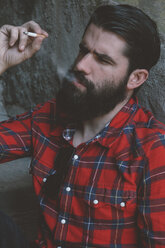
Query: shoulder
x=45, y=113
x=149, y=132
x=145, y=120
x=45, y=108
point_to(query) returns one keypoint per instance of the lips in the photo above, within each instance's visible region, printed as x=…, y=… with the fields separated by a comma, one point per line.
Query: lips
x=78, y=84
x=78, y=79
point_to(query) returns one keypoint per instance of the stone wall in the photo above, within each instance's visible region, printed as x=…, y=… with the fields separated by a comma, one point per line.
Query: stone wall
x=37, y=79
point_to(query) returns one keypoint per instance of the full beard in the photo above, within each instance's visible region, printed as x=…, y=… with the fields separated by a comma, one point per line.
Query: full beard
x=93, y=101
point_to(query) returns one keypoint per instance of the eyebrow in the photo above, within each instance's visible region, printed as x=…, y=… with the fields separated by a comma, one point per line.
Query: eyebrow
x=105, y=57
x=102, y=56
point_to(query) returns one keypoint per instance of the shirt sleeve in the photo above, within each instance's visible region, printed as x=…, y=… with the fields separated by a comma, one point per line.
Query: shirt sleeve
x=151, y=201
x=15, y=137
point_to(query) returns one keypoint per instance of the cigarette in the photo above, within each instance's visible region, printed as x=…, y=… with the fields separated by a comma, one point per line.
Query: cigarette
x=34, y=34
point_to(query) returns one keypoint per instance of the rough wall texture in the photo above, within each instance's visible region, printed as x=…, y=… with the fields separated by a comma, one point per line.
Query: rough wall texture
x=36, y=80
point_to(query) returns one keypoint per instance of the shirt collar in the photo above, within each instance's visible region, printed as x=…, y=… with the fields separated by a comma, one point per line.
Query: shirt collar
x=112, y=130
x=122, y=120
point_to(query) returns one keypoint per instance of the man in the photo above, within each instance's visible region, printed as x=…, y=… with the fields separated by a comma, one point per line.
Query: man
x=98, y=158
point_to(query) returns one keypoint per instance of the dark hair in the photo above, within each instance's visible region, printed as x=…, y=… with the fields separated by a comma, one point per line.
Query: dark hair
x=136, y=28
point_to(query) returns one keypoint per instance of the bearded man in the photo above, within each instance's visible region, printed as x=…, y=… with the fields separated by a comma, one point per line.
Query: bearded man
x=98, y=158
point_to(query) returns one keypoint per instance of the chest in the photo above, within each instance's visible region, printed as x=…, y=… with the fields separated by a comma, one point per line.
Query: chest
x=100, y=186
x=90, y=165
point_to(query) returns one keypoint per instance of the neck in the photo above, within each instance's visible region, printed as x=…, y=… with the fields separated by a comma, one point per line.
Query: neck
x=89, y=129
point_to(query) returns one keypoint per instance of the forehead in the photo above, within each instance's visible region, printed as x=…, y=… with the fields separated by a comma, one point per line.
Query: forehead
x=95, y=38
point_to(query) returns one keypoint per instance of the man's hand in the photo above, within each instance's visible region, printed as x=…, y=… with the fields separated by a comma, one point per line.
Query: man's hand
x=15, y=46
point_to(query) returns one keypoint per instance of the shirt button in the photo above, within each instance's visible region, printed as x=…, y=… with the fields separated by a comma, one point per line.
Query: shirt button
x=95, y=202
x=122, y=204
x=63, y=221
x=44, y=179
x=75, y=156
x=68, y=189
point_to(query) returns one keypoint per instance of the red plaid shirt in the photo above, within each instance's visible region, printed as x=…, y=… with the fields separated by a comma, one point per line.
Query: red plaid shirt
x=113, y=195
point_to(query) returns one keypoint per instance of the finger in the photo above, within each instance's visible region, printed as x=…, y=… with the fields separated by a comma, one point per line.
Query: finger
x=22, y=39
x=45, y=33
x=35, y=27
x=32, y=26
x=33, y=47
x=11, y=32
x=13, y=36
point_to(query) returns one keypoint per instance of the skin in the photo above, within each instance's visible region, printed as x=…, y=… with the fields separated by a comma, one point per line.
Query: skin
x=15, y=46
x=101, y=58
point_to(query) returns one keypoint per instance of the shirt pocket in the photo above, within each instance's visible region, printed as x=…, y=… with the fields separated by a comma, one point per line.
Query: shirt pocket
x=106, y=207
x=109, y=215
x=113, y=204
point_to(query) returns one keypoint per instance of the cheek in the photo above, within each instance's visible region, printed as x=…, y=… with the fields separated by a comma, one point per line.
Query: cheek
x=99, y=73
x=105, y=74
x=117, y=74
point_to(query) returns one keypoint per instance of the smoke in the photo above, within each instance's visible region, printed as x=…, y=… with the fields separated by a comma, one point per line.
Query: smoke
x=65, y=74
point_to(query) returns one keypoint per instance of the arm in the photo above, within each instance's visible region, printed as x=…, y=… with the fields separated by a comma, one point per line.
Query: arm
x=16, y=138
x=151, y=204
x=15, y=46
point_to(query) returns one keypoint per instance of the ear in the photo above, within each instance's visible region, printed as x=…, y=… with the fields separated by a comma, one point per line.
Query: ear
x=137, y=78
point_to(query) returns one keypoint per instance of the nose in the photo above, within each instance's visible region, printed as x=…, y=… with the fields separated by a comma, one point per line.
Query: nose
x=83, y=63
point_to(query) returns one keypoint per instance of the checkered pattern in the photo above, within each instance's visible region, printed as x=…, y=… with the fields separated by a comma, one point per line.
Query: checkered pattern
x=113, y=195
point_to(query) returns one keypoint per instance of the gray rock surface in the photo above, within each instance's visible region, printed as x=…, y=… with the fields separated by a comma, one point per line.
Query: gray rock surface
x=37, y=80
x=17, y=197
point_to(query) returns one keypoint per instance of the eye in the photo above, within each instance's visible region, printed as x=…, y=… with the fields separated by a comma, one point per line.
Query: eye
x=103, y=60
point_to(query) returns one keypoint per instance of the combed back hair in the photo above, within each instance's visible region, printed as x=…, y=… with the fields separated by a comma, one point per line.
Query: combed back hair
x=136, y=28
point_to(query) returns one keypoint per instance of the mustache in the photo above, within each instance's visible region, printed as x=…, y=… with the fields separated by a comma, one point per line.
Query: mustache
x=80, y=78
